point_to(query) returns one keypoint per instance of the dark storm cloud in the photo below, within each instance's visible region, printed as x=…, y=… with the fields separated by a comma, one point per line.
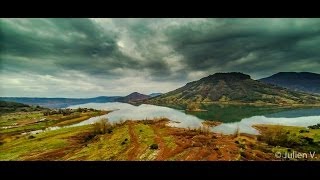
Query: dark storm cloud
x=249, y=45
x=172, y=51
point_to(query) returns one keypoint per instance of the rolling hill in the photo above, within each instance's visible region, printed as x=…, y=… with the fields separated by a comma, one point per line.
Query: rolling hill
x=135, y=96
x=303, y=81
x=8, y=107
x=59, y=102
x=232, y=88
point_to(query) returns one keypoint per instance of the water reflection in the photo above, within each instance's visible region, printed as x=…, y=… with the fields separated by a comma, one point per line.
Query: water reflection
x=245, y=125
x=233, y=117
x=125, y=111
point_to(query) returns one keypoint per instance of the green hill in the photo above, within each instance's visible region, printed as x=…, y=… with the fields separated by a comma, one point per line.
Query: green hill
x=233, y=88
x=8, y=107
x=297, y=81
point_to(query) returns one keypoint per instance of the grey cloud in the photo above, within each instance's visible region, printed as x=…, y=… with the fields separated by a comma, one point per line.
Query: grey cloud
x=158, y=50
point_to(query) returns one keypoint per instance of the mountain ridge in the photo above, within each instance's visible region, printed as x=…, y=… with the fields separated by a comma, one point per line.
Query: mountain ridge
x=58, y=102
x=232, y=87
x=297, y=81
x=135, y=96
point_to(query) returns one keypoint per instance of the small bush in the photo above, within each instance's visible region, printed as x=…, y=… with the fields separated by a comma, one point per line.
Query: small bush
x=279, y=137
x=31, y=137
x=109, y=131
x=89, y=137
x=242, y=146
x=317, y=126
x=304, y=131
x=243, y=154
x=102, y=126
x=193, y=106
x=154, y=146
x=308, y=140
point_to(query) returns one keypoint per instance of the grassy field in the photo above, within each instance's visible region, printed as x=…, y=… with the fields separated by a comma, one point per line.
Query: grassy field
x=19, y=122
x=142, y=140
x=51, y=145
x=130, y=140
x=287, y=139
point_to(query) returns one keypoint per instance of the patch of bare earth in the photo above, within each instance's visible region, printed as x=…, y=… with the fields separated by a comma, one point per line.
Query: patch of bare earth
x=134, y=149
x=75, y=143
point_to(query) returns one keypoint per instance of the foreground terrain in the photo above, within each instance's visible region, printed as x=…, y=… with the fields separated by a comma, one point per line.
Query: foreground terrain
x=149, y=140
x=36, y=133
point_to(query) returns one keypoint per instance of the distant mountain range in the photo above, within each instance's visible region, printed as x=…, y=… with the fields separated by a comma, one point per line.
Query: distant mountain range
x=303, y=81
x=232, y=88
x=280, y=88
x=135, y=96
x=65, y=102
x=59, y=102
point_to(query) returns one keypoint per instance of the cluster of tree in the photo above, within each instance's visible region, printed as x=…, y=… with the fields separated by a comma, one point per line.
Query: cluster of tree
x=103, y=126
x=7, y=107
x=58, y=111
x=280, y=137
x=317, y=126
x=67, y=111
x=84, y=110
x=193, y=106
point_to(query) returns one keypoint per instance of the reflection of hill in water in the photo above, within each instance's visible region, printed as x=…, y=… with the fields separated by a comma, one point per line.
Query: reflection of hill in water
x=234, y=113
x=296, y=113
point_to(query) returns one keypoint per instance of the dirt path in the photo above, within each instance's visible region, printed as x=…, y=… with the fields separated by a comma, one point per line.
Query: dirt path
x=163, y=151
x=134, y=150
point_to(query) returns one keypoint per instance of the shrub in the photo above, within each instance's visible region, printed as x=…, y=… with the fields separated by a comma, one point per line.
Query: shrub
x=303, y=131
x=243, y=154
x=308, y=140
x=317, y=126
x=31, y=137
x=154, y=146
x=280, y=137
x=192, y=106
x=89, y=137
x=243, y=146
x=102, y=126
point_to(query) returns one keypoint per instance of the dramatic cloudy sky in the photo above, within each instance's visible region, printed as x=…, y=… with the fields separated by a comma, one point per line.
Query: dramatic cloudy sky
x=93, y=57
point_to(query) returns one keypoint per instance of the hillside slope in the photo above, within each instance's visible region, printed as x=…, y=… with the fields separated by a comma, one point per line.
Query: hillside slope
x=303, y=81
x=135, y=96
x=232, y=88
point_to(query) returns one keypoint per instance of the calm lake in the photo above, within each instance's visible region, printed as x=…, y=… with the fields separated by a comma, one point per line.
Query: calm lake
x=232, y=116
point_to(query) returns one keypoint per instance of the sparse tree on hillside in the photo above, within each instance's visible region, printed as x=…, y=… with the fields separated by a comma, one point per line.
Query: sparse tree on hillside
x=192, y=106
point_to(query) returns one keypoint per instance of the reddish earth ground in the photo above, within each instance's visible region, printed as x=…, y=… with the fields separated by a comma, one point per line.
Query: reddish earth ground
x=198, y=144
x=173, y=144
x=134, y=149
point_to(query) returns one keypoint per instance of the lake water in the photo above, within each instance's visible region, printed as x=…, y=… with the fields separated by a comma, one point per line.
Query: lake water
x=233, y=116
x=124, y=111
